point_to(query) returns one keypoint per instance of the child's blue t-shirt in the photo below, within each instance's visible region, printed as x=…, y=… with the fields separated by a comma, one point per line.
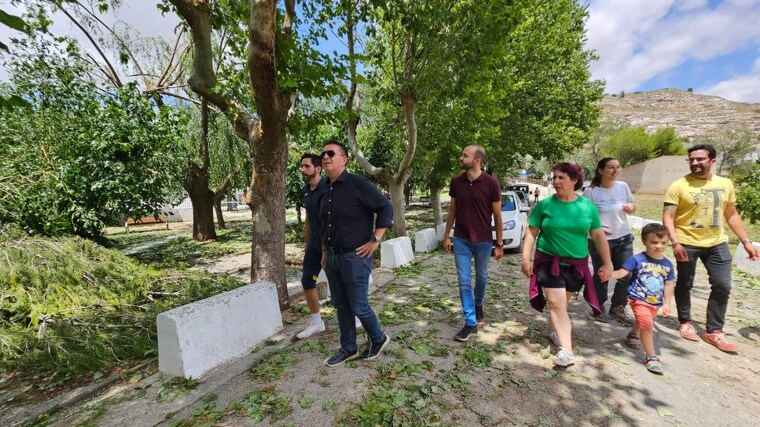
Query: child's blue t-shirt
x=648, y=277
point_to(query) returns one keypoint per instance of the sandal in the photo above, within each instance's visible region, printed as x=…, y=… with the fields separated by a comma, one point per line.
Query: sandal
x=633, y=341
x=654, y=365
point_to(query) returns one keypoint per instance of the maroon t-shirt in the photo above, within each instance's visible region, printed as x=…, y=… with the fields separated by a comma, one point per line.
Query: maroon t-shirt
x=474, y=206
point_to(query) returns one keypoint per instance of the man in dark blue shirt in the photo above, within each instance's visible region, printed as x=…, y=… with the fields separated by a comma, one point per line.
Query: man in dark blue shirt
x=353, y=217
x=314, y=188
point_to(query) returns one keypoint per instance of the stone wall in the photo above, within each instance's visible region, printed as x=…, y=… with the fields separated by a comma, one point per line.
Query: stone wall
x=655, y=176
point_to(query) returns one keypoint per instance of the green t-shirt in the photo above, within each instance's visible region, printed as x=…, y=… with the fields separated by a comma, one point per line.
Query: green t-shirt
x=564, y=226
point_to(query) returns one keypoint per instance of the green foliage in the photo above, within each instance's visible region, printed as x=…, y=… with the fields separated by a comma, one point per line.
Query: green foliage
x=70, y=305
x=747, y=181
x=264, y=403
x=732, y=145
x=667, y=143
x=80, y=158
x=629, y=145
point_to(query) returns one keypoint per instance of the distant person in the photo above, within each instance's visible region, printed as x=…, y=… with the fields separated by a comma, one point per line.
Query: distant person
x=536, y=193
x=353, y=217
x=614, y=201
x=314, y=188
x=475, y=200
x=695, y=208
x=558, y=226
x=652, y=281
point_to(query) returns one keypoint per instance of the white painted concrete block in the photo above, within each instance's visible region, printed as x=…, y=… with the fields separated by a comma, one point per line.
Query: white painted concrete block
x=425, y=240
x=742, y=262
x=636, y=222
x=650, y=221
x=195, y=338
x=396, y=252
x=439, y=230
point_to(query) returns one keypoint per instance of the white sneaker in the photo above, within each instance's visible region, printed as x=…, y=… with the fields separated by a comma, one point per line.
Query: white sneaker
x=311, y=330
x=553, y=338
x=564, y=358
x=358, y=323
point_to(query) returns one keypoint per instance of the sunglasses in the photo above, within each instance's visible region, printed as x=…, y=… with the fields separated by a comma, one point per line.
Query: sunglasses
x=331, y=154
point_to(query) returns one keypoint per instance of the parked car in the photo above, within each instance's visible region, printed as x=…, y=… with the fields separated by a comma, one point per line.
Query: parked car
x=514, y=220
x=524, y=198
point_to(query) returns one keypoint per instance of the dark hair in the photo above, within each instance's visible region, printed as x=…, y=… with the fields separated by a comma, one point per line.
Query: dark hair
x=573, y=170
x=658, y=230
x=315, y=159
x=597, y=179
x=340, y=144
x=711, y=153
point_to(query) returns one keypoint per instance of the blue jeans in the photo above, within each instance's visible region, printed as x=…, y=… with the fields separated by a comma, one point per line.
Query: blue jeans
x=717, y=261
x=464, y=251
x=348, y=277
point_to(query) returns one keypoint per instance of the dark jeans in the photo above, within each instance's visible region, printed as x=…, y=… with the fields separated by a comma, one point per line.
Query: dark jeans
x=348, y=278
x=717, y=262
x=620, y=250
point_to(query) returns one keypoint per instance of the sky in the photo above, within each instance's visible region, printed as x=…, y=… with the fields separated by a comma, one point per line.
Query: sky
x=711, y=46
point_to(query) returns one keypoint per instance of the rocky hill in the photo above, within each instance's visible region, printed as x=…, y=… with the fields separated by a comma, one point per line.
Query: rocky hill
x=690, y=114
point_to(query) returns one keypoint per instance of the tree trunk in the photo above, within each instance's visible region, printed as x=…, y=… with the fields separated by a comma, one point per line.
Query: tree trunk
x=219, y=214
x=396, y=189
x=435, y=200
x=203, y=208
x=268, y=229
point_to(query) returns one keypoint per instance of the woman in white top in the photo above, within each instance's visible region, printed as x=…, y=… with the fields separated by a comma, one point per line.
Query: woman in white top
x=614, y=201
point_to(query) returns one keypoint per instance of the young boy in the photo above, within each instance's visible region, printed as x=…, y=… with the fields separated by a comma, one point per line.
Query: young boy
x=651, y=287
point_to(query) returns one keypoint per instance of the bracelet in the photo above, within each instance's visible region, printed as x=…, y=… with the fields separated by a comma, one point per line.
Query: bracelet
x=746, y=241
x=674, y=244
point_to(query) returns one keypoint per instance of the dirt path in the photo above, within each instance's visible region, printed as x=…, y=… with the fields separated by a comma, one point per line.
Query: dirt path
x=503, y=377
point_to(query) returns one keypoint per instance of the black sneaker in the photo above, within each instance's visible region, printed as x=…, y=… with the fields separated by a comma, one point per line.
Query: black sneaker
x=618, y=313
x=465, y=333
x=603, y=318
x=340, y=357
x=373, y=349
x=480, y=315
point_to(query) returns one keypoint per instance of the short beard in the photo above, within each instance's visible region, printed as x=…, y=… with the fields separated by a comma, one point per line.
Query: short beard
x=307, y=178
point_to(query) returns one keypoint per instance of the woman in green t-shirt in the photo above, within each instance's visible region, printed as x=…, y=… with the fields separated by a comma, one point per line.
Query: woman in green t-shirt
x=559, y=226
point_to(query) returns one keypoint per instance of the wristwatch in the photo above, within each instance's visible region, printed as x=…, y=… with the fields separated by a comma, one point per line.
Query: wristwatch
x=746, y=241
x=374, y=239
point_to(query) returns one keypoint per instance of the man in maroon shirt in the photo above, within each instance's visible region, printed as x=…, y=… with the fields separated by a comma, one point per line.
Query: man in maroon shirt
x=475, y=199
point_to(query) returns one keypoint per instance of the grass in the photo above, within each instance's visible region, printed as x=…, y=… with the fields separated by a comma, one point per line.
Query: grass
x=649, y=206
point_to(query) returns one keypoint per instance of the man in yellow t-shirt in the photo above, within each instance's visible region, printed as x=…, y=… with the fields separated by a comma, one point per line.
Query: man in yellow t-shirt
x=696, y=206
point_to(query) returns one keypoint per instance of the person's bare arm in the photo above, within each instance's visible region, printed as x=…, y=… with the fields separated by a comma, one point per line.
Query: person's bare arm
x=528, y=241
x=450, y=216
x=734, y=221
x=668, y=220
x=603, y=249
x=498, y=251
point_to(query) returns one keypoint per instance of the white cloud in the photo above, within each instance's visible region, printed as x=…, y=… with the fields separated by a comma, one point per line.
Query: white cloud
x=745, y=88
x=638, y=40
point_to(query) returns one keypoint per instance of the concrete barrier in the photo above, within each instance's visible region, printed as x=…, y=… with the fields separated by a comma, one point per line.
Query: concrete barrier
x=396, y=252
x=744, y=264
x=439, y=231
x=195, y=338
x=425, y=240
x=636, y=222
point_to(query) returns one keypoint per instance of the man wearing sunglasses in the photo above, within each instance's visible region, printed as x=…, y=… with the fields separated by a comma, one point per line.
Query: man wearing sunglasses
x=353, y=216
x=696, y=206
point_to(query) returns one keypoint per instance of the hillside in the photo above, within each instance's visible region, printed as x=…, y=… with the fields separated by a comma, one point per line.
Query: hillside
x=690, y=114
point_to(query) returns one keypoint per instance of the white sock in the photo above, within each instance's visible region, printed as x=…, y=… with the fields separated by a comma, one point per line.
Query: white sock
x=316, y=318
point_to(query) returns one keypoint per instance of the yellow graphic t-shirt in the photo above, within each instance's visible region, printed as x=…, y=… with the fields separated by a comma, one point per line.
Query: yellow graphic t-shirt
x=699, y=209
